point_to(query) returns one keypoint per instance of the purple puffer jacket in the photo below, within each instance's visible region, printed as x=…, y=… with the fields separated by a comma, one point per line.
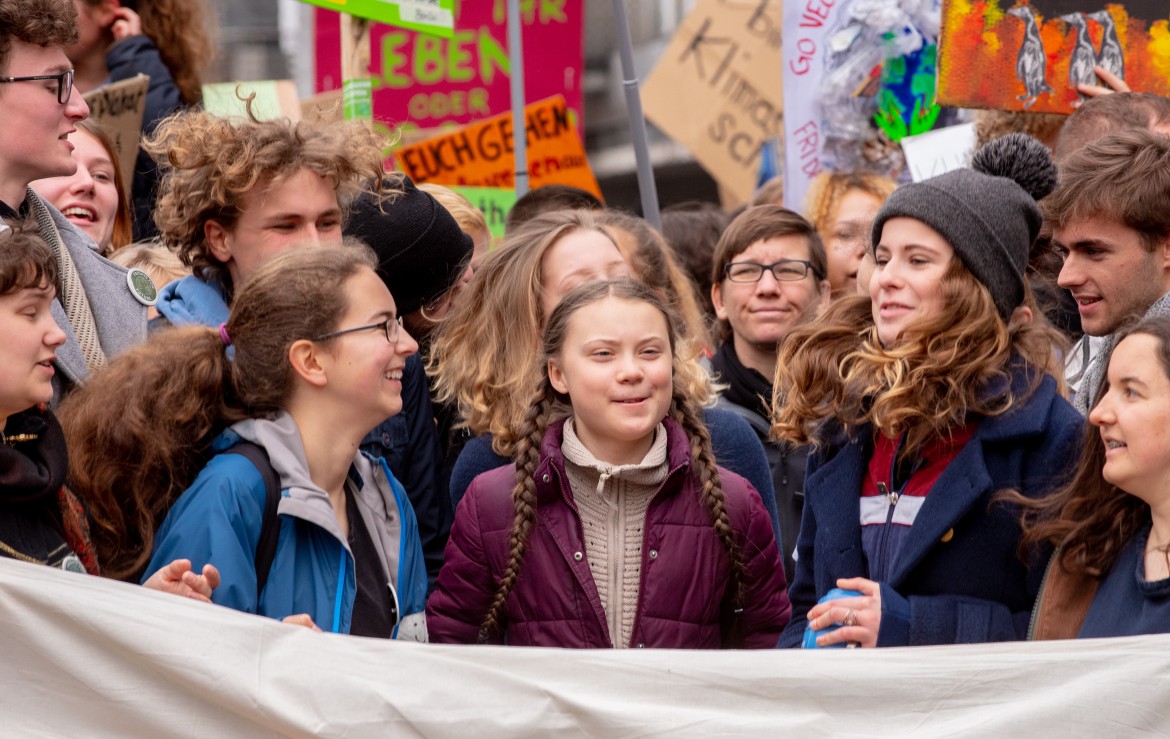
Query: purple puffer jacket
x=683, y=603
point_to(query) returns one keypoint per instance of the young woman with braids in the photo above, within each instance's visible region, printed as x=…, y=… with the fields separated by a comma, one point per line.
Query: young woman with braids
x=920, y=408
x=309, y=361
x=614, y=527
x=1111, y=523
x=484, y=356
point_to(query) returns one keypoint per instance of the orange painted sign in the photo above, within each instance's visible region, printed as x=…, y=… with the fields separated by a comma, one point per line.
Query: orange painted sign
x=480, y=154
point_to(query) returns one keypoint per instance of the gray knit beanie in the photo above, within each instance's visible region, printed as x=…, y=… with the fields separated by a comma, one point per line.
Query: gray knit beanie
x=988, y=216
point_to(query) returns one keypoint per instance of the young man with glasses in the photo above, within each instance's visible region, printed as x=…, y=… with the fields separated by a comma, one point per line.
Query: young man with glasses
x=101, y=310
x=768, y=276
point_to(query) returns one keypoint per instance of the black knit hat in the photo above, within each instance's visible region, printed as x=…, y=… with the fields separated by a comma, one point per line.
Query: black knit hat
x=987, y=216
x=420, y=247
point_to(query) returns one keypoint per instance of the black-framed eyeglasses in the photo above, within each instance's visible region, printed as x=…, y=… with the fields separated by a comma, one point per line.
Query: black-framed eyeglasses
x=392, y=327
x=64, y=83
x=785, y=270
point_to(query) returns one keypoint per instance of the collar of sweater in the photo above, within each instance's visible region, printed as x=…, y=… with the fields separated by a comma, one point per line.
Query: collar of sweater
x=649, y=473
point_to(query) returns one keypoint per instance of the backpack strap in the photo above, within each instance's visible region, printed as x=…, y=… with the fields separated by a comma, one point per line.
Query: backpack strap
x=270, y=527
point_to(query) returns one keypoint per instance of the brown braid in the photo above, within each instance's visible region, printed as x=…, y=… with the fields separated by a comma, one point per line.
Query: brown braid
x=703, y=467
x=523, y=499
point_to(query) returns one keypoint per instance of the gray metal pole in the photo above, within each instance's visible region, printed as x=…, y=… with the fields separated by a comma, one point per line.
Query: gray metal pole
x=519, y=133
x=646, y=186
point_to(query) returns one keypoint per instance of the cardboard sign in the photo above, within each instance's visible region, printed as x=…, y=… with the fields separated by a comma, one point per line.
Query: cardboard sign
x=274, y=99
x=481, y=154
x=1001, y=54
x=715, y=89
x=435, y=17
x=936, y=152
x=494, y=202
x=428, y=82
x=119, y=107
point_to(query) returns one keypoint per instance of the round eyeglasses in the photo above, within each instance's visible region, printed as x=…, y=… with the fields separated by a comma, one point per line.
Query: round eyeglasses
x=64, y=83
x=392, y=327
x=785, y=270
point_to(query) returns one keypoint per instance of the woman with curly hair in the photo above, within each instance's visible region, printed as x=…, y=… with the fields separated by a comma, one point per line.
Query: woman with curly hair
x=169, y=40
x=921, y=403
x=310, y=360
x=1111, y=571
x=614, y=528
x=484, y=355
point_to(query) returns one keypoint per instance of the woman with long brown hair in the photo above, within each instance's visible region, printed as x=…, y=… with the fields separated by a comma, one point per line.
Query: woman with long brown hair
x=1111, y=524
x=922, y=403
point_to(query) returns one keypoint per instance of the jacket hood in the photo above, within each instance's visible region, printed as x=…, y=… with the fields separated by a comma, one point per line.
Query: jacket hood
x=300, y=496
x=192, y=300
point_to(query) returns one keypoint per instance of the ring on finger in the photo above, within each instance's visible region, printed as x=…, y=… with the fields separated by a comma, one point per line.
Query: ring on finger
x=850, y=618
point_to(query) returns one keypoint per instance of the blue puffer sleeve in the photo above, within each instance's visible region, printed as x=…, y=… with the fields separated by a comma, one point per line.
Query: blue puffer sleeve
x=217, y=520
x=737, y=447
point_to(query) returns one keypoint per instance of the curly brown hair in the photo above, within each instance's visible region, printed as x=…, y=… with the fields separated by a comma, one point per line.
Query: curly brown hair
x=182, y=32
x=948, y=367
x=209, y=164
x=130, y=465
x=26, y=261
x=38, y=22
x=683, y=409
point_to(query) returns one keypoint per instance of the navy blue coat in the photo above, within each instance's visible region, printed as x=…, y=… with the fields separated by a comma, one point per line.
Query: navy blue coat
x=958, y=578
x=735, y=444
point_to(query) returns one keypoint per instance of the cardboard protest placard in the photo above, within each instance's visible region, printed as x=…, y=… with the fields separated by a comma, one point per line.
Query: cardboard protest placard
x=937, y=152
x=716, y=91
x=119, y=107
x=424, y=81
x=428, y=16
x=273, y=99
x=481, y=154
x=1005, y=55
x=494, y=202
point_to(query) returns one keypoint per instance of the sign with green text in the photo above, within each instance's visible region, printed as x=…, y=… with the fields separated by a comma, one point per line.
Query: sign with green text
x=425, y=82
x=428, y=16
x=494, y=202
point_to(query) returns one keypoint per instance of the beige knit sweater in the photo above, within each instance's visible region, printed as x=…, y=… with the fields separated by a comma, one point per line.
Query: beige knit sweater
x=612, y=502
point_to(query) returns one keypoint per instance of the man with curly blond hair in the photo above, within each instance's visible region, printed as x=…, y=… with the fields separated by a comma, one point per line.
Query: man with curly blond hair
x=101, y=311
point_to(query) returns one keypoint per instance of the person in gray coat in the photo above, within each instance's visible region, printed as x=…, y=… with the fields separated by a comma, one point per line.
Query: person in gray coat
x=101, y=306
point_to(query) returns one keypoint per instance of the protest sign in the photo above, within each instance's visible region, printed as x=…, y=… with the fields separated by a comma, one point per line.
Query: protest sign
x=715, y=89
x=808, y=25
x=997, y=54
x=435, y=17
x=426, y=82
x=273, y=99
x=937, y=152
x=119, y=107
x=481, y=154
x=494, y=202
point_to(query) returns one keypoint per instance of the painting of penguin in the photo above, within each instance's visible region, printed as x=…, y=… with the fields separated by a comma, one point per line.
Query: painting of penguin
x=1111, y=58
x=1084, y=56
x=1031, y=63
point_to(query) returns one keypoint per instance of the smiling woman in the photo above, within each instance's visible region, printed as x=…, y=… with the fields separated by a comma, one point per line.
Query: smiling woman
x=94, y=197
x=921, y=403
x=299, y=388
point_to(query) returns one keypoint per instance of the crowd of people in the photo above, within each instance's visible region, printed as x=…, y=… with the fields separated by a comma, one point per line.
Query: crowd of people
x=271, y=375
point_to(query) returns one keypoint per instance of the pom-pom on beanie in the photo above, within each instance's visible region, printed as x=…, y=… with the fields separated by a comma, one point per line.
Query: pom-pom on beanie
x=420, y=248
x=988, y=214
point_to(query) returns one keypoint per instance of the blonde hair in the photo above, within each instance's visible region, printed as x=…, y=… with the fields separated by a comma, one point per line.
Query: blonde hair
x=828, y=189
x=154, y=259
x=947, y=367
x=209, y=164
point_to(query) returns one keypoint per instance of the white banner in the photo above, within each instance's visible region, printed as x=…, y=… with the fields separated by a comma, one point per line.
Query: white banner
x=82, y=656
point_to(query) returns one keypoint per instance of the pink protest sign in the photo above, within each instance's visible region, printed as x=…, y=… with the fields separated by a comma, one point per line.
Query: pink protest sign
x=425, y=81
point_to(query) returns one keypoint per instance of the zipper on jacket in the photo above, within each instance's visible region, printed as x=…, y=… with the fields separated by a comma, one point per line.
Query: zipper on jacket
x=340, y=592
x=891, y=494
x=645, y=559
x=1040, y=597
